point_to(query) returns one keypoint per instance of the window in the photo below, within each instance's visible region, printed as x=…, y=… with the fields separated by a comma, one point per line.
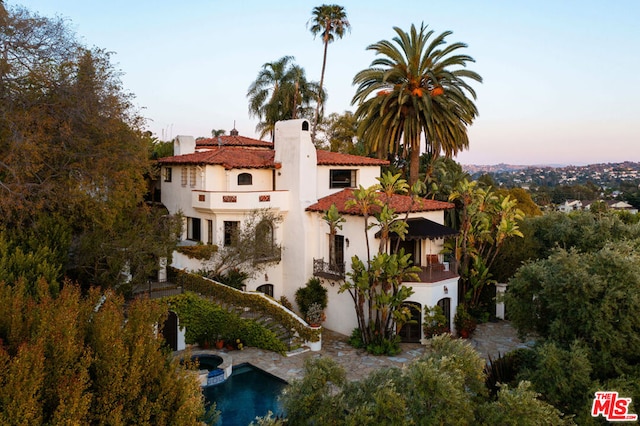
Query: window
x=265, y=242
x=336, y=258
x=231, y=229
x=192, y=177
x=342, y=179
x=266, y=289
x=183, y=177
x=209, y=231
x=245, y=179
x=193, y=229
x=167, y=174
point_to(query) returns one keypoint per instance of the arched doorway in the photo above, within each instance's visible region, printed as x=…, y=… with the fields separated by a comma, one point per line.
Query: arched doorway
x=445, y=305
x=411, y=332
x=170, y=331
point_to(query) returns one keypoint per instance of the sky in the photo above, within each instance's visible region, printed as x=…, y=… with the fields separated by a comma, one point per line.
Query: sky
x=561, y=79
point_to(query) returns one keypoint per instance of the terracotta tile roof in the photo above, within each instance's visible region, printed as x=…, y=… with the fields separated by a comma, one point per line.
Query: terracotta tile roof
x=228, y=157
x=400, y=203
x=328, y=158
x=252, y=157
x=233, y=140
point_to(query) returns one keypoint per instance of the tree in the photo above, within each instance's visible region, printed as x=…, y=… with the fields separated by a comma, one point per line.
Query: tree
x=330, y=21
x=444, y=387
x=335, y=220
x=376, y=283
x=487, y=221
x=252, y=247
x=590, y=297
x=219, y=132
x=281, y=92
x=71, y=147
x=78, y=359
x=340, y=134
x=417, y=88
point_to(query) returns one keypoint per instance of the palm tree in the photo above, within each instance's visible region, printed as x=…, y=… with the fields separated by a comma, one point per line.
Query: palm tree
x=330, y=21
x=281, y=92
x=418, y=87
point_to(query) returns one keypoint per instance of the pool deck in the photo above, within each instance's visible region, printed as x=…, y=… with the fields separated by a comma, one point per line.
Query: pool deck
x=489, y=340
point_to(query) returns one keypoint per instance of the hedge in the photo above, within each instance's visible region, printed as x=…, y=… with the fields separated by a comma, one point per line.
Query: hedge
x=205, y=321
x=230, y=296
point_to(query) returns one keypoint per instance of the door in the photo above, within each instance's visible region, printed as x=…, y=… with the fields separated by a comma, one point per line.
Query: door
x=170, y=331
x=445, y=305
x=411, y=332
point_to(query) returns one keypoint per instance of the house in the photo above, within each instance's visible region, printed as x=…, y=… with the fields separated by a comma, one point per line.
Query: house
x=622, y=206
x=217, y=182
x=570, y=205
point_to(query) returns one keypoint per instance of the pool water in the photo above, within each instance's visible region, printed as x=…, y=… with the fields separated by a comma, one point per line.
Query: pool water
x=248, y=393
x=207, y=362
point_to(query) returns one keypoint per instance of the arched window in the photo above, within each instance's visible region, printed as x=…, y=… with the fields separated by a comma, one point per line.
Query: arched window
x=265, y=247
x=411, y=332
x=305, y=125
x=245, y=179
x=266, y=289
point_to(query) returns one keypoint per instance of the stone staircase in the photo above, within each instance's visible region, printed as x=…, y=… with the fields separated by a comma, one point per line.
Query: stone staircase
x=286, y=336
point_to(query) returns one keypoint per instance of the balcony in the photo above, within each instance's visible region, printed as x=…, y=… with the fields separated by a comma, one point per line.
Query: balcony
x=324, y=269
x=208, y=201
x=435, y=272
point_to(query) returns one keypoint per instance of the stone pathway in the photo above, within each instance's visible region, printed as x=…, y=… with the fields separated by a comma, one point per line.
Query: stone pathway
x=489, y=339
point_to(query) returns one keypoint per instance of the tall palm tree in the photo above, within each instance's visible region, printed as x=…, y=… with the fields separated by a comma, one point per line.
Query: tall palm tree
x=281, y=92
x=418, y=87
x=330, y=21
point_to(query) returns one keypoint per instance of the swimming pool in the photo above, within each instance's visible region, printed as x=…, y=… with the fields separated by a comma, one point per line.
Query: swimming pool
x=249, y=392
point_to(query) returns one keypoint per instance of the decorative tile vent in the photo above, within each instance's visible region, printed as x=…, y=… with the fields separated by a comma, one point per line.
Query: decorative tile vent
x=229, y=199
x=201, y=197
x=264, y=198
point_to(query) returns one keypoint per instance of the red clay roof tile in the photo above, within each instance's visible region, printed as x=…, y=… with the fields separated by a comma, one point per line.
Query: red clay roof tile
x=328, y=158
x=400, y=203
x=232, y=140
x=228, y=157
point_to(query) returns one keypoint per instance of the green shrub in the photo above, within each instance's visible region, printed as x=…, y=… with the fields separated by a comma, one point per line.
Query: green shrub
x=312, y=292
x=383, y=346
x=226, y=295
x=199, y=251
x=286, y=303
x=206, y=322
x=233, y=278
x=355, y=339
x=435, y=323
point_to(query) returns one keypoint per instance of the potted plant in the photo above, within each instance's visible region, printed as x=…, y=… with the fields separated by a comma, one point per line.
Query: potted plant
x=464, y=322
x=220, y=343
x=312, y=292
x=315, y=315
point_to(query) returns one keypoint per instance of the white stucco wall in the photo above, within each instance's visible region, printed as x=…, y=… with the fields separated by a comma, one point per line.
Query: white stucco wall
x=297, y=154
x=261, y=180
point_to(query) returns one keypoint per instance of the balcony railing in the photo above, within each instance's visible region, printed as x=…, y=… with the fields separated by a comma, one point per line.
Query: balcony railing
x=324, y=269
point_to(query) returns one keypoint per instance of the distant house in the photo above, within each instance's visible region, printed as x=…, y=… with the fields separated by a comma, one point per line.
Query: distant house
x=570, y=205
x=621, y=205
x=217, y=182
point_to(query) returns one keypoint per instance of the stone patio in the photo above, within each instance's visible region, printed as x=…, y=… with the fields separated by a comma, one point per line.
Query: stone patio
x=489, y=339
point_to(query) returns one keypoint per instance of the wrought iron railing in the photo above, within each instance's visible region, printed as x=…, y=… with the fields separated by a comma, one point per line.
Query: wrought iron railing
x=327, y=270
